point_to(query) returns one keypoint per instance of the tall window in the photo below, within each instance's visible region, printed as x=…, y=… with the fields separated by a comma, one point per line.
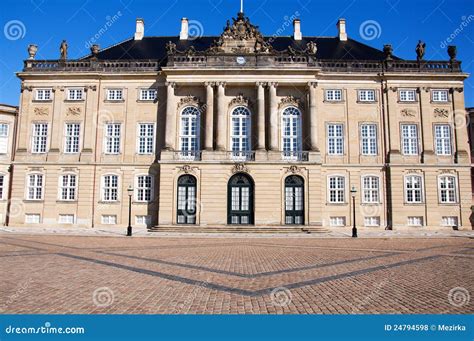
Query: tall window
x=2, y=186
x=35, y=187
x=67, y=187
x=368, y=133
x=190, y=132
x=439, y=95
x=366, y=95
x=336, y=189
x=240, y=132
x=407, y=95
x=4, y=138
x=114, y=94
x=40, y=137
x=110, y=188
x=144, y=188
x=291, y=133
x=146, y=132
x=73, y=131
x=413, y=189
x=447, y=189
x=112, y=138
x=75, y=94
x=443, y=139
x=370, y=189
x=409, y=139
x=335, y=133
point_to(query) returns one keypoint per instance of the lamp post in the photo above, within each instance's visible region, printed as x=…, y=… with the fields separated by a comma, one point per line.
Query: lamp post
x=354, y=228
x=129, y=227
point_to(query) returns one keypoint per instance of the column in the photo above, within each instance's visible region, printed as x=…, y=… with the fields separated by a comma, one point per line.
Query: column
x=274, y=124
x=221, y=116
x=209, y=134
x=170, y=130
x=313, y=121
x=261, y=116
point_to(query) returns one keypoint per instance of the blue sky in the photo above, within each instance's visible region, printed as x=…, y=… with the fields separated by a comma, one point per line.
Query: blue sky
x=398, y=22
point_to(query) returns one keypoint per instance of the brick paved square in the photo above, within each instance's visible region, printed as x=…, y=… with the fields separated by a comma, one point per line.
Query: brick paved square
x=189, y=275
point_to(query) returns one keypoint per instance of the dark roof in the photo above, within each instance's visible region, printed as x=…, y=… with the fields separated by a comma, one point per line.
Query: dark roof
x=154, y=48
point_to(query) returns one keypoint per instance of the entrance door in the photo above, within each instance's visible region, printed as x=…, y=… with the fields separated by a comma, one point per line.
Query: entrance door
x=240, y=200
x=186, y=208
x=294, y=200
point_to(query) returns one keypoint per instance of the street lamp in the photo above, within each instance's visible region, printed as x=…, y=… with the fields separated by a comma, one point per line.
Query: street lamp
x=354, y=228
x=130, y=193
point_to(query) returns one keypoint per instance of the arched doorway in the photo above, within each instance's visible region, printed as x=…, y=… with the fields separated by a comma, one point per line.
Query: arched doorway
x=240, y=191
x=186, y=207
x=294, y=200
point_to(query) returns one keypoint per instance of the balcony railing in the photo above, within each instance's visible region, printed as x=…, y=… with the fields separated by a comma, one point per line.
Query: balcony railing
x=241, y=156
x=295, y=156
x=187, y=155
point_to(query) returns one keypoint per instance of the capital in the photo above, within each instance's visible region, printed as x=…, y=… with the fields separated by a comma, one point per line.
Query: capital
x=221, y=84
x=260, y=84
x=273, y=84
x=210, y=84
x=170, y=84
x=312, y=85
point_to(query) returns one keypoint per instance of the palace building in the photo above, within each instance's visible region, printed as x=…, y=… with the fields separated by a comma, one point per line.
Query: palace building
x=242, y=129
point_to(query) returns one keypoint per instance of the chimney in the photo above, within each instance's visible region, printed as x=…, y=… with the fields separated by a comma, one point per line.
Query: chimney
x=341, y=26
x=297, y=35
x=184, y=34
x=140, y=29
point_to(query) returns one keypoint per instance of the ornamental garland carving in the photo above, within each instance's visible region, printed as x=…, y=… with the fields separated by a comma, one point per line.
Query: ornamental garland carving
x=240, y=100
x=186, y=169
x=189, y=101
x=41, y=111
x=295, y=170
x=240, y=168
x=289, y=101
x=74, y=111
x=408, y=112
x=438, y=112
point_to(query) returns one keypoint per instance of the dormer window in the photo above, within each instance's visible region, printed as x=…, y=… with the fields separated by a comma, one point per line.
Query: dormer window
x=43, y=95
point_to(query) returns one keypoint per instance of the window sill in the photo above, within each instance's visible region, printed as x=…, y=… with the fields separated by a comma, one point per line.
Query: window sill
x=413, y=204
x=147, y=101
x=440, y=102
x=143, y=202
x=74, y=100
x=33, y=200
x=336, y=204
x=42, y=101
x=333, y=102
x=109, y=202
x=114, y=101
x=59, y=201
x=366, y=102
x=407, y=102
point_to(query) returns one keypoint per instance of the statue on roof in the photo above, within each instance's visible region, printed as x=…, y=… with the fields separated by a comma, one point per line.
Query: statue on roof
x=170, y=48
x=311, y=48
x=63, y=50
x=420, y=50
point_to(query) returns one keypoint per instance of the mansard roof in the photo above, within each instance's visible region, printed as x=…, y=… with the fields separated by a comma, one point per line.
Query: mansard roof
x=154, y=48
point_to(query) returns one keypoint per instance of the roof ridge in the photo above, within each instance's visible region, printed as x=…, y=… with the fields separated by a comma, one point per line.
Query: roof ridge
x=107, y=48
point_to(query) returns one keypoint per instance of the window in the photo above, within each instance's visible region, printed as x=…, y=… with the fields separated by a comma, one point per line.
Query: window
x=415, y=221
x=144, y=188
x=43, y=94
x=66, y=219
x=35, y=187
x=336, y=189
x=370, y=189
x=366, y=95
x=110, y=188
x=240, y=132
x=407, y=95
x=189, y=138
x=449, y=221
x=439, y=95
x=143, y=220
x=67, y=187
x=291, y=133
x=32, y=218
x=409, y=139
x=447, y=189
x=75, y=94
x=112, y=138
x=335, y=133
x=109, y=219
x=114, y=94
x=443, y=139
x=147, y=94
x=72, y=133
x=334, y=95
x=40, y=137
x=337, y=221
x=146, y=138
x=413, y=189
x=4, y=129
x=368, y=134
x=371, y=221
x=2, y=186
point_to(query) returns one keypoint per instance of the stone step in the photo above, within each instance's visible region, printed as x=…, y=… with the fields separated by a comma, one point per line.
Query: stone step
x=239, y=229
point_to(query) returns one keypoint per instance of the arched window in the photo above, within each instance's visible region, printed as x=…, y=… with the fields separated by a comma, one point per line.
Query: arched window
x=240, y=133
x=189, y=133
x=291, y=133
x=294, y=200
x=240, y=200
x=186, y=208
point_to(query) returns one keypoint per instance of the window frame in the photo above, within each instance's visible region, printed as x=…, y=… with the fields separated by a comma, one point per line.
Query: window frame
x=192, y=115
x=72, y=90
x=144, y=189
x=3, y=185
x=368, y=138
x=433, y=91
x=35, y=150
x=34, y=187
x=400, y=91
x=103, y=188
x=6, y=137
x=66, y=136
x=366, y=91
x=37, y=97
x=402, y=139
x=294, y=138
x=454, y=189
x=115, y=91
x=370, y=190
x=337, y=190
x=111, y=137
x=139, y=137
x=443, y=139
x=333, y=91
x=68, y=187
x=336, y=138
x=141, y=91
x=421, y=189
x=241, y=153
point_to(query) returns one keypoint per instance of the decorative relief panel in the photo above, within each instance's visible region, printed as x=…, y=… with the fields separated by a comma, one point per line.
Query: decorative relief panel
x=240, y=168
x=289, y=101
x=189, y=101
x=240, y=100
x=41, y=111
x=438, y=112
x=73, y=111
x=408, y=112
